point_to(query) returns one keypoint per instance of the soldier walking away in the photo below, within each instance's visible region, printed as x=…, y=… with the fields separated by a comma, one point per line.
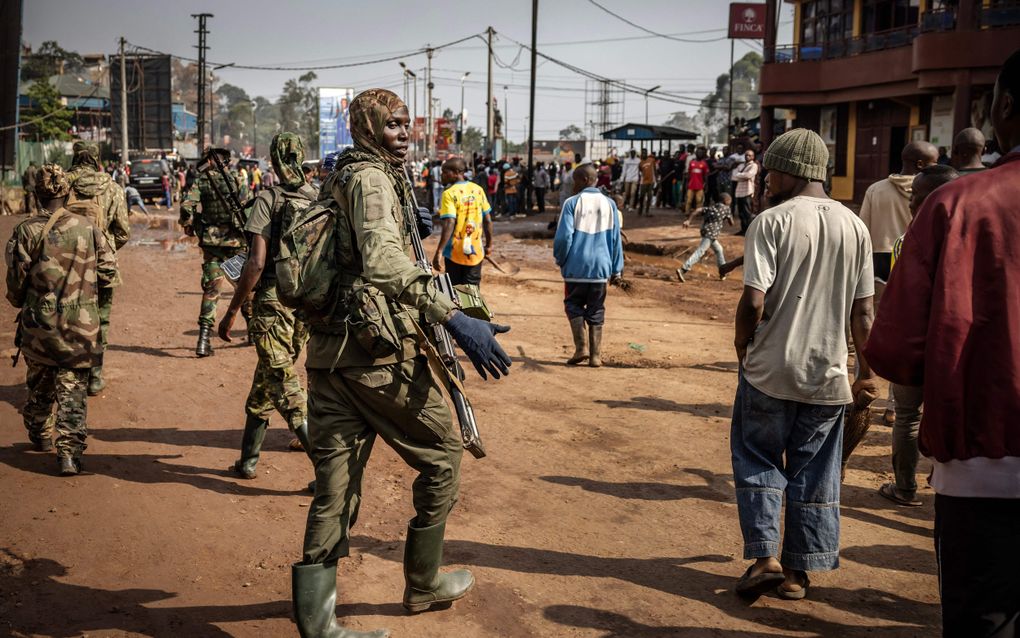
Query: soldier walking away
x=807, y=270
x=277, y=334
x=56, y=263
x=588, y=248
x=208, y=213
x=376, y=381
x=95, y=195
x=28, y=180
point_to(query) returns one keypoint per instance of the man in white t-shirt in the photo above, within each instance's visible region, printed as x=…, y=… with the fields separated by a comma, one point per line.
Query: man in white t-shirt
x=631, y=178
x=807, y=269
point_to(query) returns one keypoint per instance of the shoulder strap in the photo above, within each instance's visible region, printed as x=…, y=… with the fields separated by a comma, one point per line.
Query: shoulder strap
x=50, y=223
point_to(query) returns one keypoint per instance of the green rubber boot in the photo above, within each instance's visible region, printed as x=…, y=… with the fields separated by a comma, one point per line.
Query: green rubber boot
x=251, y=445
x=580, y=334
x=423, y=553
x=314, y=592
x=96, y=381
x=301, y=432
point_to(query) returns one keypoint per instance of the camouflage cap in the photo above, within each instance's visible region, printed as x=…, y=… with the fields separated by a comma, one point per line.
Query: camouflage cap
x=222, y=152
x=85, y=153
x=52, y=183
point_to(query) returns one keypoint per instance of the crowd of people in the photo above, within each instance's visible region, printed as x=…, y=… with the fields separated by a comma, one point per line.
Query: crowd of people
x=922, y=281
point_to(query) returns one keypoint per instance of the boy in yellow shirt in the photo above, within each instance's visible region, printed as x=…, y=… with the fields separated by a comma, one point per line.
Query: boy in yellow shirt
x=465, y=214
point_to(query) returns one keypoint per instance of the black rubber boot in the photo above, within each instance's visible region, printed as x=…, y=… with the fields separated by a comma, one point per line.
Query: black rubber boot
x=301, y=432
x=425, y=586
x=595, y=346
x=251, y=445
x=580, y=334
x=204, y=348
x=96, y=381
x=314, y=593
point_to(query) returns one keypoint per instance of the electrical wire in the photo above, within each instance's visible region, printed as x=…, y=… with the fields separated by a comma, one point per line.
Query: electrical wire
x=50, y=114
x=252, y=67
x=662, y=96
x=654, y=33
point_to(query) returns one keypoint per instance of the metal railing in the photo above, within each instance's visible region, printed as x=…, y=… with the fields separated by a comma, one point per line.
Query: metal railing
x=1001, y=14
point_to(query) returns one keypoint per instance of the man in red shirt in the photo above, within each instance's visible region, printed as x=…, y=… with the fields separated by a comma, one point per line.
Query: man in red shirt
x=696, y=174
x=948, y=320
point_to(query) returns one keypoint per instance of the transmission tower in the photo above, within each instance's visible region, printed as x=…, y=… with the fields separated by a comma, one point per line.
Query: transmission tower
x=603, y=110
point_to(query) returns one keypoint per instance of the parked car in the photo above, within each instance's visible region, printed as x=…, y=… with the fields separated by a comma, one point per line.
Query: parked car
x=147, y=177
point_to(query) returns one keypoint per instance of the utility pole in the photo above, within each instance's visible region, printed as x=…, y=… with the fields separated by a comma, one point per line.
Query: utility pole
x=729, y=111
x=254, y=130
x=531, y=108
x=654, y=88
x=463, y=117
x=123, y=108
x=490, y=133
x=429, y=125
x=202, y=77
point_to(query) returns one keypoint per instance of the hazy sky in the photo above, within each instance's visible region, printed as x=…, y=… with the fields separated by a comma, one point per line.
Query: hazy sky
x=317, y=32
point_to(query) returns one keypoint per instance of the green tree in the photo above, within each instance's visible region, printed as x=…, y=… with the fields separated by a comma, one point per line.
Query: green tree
x=299, y=110
x=471, y=140
x=712, y=114
x=50, y=59
x=572, y=132
x=50, y=118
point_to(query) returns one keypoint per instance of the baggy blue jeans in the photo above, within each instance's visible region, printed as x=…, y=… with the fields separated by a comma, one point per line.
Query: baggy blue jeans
x=699, y=252
x=810, y=437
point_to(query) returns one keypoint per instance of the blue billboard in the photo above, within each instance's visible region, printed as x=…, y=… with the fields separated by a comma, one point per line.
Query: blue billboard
x=334, y=128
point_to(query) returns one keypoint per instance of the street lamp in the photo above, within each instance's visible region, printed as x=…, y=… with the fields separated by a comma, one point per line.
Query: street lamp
x=212, y=82
x=414, y=116
x=654, y=88
x=254, y=130
x=462, y=122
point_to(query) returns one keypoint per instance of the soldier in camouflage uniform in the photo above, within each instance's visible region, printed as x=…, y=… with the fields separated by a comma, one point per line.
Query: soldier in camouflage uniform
x=277, y=334
x=368, y=377
x=57, y=262
x=90, y=184
x=207, y=214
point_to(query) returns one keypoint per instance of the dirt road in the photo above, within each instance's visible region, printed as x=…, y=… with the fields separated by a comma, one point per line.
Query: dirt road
x=605, y=507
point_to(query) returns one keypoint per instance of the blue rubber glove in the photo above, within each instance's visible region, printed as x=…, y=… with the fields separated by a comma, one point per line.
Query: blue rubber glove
x=478, y=341
x=424, y=222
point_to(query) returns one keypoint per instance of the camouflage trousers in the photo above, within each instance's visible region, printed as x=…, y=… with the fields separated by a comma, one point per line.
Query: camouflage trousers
x=212, y=279
x=278, y=338
x=65, y=387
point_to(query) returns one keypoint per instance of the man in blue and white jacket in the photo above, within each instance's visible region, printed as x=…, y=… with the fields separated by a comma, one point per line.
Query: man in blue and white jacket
x=589, y=251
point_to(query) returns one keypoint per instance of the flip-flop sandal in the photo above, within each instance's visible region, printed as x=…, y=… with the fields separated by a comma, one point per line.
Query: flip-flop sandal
x=888, y=490
x=755, y=586
x=295, y=445
x=798, y=594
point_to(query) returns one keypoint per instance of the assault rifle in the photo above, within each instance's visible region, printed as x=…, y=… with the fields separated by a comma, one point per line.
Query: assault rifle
x=443, y=343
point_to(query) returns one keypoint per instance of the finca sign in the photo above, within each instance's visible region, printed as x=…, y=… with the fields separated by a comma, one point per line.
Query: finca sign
x=747, y=21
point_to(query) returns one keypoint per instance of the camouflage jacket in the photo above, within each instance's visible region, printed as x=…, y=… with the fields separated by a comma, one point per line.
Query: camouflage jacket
x=94, y=185
x=55, y=281
x=207, y=209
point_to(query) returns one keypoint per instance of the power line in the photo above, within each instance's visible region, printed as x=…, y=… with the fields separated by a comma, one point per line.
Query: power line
x=654, y=33
x=60, y=111
x=325, y=67
x=662, y=96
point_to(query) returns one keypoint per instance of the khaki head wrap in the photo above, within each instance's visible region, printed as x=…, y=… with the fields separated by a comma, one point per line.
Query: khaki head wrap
x=287, y=154
x=369, y=112
x=51, y=183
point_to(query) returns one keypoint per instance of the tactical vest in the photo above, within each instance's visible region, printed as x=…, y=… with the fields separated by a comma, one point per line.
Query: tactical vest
x=381, y=326
x=215, y=200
